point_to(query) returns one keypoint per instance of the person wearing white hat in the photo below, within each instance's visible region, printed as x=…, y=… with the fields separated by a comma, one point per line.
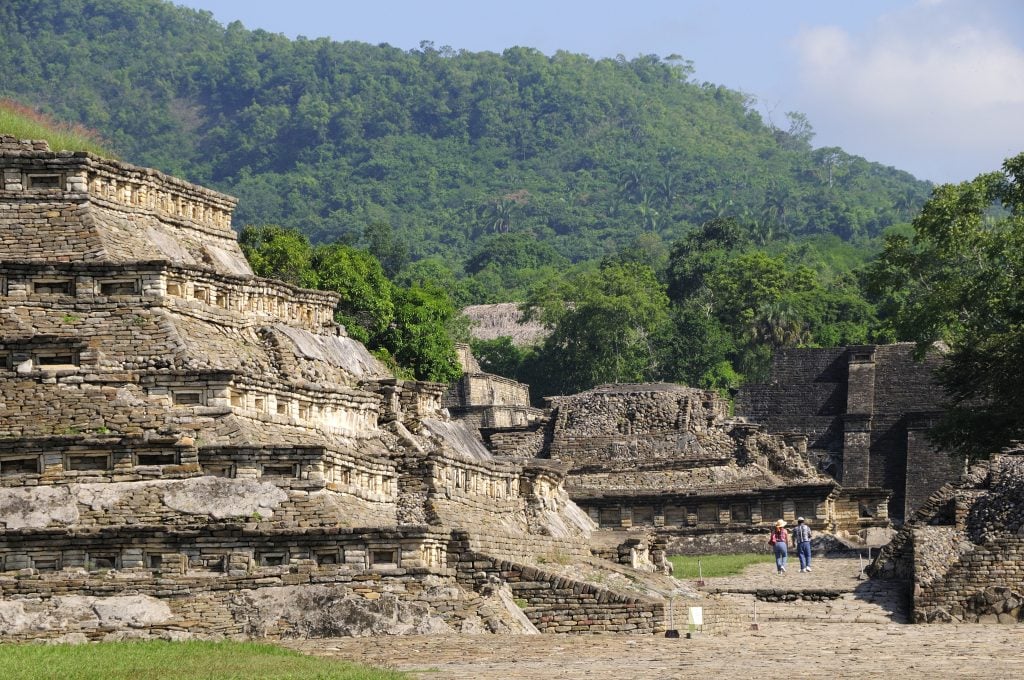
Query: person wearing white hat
x=802, y=539
x=779, y=540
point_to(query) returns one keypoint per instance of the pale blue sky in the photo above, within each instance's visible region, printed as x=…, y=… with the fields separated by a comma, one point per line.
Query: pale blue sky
x=934, y=87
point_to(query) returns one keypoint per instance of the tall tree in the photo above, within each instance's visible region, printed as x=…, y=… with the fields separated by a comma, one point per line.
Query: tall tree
x=608, y=325
x=960, y=281
x=279, y=253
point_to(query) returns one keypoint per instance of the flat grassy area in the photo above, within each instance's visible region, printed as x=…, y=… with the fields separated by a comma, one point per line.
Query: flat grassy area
x=685, y=566
x=155, y=660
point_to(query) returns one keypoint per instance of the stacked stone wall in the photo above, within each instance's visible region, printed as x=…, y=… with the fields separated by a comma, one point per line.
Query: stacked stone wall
x=620, y=427
x=982, y=584
x=807, y=394
x=525, y=442
x=485, y=389
x=479, y=418
x=57, y=181
x=906, y=386
x=235, y=301
x=219, y=549
x=865, y=410
x=556, y=603
x=962, y=554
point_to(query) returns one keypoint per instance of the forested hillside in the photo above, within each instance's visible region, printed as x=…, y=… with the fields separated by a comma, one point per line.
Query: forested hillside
x=439, y=147
x=657, y=226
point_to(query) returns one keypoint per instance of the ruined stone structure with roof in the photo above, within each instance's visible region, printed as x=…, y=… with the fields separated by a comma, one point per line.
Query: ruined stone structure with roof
x=189, y=449
x=667, y=460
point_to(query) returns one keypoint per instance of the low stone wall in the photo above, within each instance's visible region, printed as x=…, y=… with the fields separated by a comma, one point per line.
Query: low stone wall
x=555, y=603
x=228, y=548
x=515, y=547
x=981, y=584
x=526, y=442
x=718, y=542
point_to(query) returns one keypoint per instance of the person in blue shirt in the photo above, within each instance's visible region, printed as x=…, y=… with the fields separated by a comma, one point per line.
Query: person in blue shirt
x=802, y=539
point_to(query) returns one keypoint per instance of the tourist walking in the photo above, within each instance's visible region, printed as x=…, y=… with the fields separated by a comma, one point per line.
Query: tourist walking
x=802, y=539
x=779, y=541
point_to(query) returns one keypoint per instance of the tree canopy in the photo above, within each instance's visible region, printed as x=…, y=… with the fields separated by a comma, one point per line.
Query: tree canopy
x=410, y=328
x=422, y=153
x=959, y=281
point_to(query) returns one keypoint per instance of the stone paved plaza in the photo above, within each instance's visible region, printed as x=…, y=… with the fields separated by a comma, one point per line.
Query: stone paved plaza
x=846, y=638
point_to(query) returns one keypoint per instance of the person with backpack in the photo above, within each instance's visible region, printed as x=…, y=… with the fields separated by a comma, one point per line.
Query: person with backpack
x=802, y=539
x=779, y=541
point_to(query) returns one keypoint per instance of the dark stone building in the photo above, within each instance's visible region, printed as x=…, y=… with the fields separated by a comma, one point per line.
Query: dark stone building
x=866, y=411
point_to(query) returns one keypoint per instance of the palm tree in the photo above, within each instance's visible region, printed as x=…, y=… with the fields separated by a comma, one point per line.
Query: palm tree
x=778, y=323
x=500, y=215
x=668, y=188
x=634, y=181
x=647, y=212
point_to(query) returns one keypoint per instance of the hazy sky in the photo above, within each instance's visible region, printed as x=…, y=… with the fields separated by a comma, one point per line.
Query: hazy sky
x=934, y=87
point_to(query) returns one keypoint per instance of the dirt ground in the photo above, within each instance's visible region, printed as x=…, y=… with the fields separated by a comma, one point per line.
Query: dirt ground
x=858, y=636
x=896, y=651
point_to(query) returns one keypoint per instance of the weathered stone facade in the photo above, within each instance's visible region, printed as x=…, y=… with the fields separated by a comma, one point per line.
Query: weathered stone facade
x=669, y=457
x=962, y=553
x=188, y=449
x=484, y=400
x=865, y=411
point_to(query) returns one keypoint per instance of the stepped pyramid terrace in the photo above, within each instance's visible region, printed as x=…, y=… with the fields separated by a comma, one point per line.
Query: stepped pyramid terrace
x=187, y=449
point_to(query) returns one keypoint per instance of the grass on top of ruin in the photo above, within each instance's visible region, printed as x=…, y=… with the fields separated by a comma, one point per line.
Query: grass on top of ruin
x=24, y=122
x=158, y=660
x=685, y=566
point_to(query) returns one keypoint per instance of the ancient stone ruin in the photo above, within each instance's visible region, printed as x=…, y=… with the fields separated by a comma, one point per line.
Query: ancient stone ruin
x=866, y=411
x=961, y=555
x=187, y=449
x=667, y=460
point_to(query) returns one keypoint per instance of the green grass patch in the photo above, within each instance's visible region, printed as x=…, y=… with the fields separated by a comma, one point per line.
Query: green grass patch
x=685, y=566
x=157, y=660
x=25, y=123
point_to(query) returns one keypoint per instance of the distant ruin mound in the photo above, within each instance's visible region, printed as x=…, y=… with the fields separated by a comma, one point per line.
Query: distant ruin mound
x=504, y=319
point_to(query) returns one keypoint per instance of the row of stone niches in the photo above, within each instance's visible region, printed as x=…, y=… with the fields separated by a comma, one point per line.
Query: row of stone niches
x=62, y=359
x=354, y=557
x=83, y=463
x=122, y=191
x=458, y=481
x=96, y=464
x=66, y=359
x=230, y=296
x=703, y=514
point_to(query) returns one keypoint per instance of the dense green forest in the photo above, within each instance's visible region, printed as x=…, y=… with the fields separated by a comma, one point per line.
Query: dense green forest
x=659, y=226
x=441, y=147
